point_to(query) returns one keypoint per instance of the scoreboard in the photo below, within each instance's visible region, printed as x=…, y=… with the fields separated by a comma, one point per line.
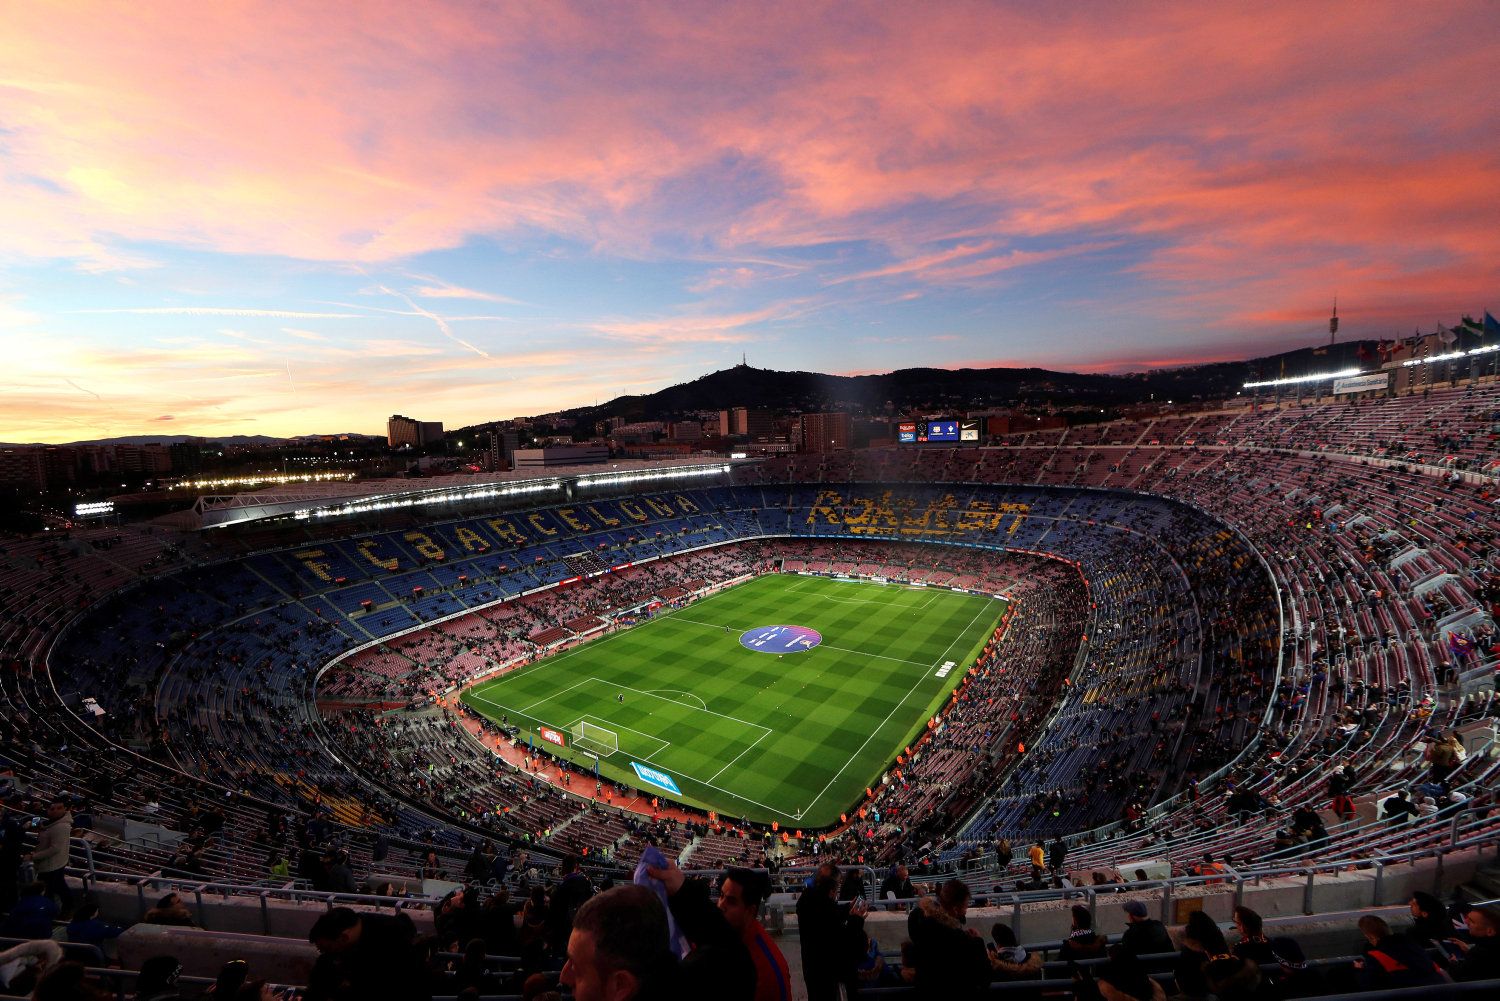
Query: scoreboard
x=945, y=430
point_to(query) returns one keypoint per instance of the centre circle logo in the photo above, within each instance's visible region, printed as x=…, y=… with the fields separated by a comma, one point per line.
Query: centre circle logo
x=780, y=639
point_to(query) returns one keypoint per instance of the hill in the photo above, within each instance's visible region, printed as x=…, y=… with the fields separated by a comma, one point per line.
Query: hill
x=933, y=390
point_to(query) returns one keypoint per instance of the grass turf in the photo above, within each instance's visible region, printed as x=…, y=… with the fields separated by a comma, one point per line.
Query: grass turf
x=793, y=738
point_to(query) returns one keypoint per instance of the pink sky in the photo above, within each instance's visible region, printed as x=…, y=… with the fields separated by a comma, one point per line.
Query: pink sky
x=474, y=211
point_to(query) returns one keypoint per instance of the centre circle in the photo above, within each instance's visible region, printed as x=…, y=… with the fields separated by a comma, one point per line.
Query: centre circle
x=780, y=639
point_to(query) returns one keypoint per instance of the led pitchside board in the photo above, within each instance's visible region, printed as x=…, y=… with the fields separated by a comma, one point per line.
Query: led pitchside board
x=656, y=777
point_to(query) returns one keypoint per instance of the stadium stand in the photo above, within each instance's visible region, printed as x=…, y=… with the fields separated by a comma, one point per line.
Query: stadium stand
x=1252, y=641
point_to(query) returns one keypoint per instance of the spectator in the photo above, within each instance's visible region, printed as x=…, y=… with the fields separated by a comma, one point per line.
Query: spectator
x=826, y=931
x=88, y=929
x=741, y=893
x=951, y=960
x=1253, y=944
x=11, y=834
x=1231, y=978
x=158, y=979
x=69, y=981
x=870, y=969
x=340, y=875
x=1391, y=961
x=365, y=955
x=567, y=897
x=1481, y=955
x=497, y=922
x=1057, y=855
x=1144, y=935
x=1201, y=941
x=1123, y=978
x=618, y=949
x=473, y=971
x=1081, y=942
x=21, y=966
x=1038, y=856
x=1209, y=867
x=477, y=869
x=1008, y=960
x=540, y=987
x=1443, y=755
x=1398, y=807
x=533, y=932
x=718, y=962
x=170, y=910
x=1281, y=953
x=898, y=885
x=1430, y=924
x=457, y=919
x=232, y=976
x=33, y=914
x=852, y=887
x=51, y=853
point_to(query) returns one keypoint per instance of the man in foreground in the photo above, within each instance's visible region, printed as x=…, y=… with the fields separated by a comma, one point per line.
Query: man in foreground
x=740, y=896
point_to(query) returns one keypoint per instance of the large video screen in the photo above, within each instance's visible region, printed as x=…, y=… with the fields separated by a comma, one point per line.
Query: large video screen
x=942, y=430
x=923, y=432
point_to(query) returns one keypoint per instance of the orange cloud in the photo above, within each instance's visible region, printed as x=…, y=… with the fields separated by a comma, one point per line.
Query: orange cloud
x=1239, y=165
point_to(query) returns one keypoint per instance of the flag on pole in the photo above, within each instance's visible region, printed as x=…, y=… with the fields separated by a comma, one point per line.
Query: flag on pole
x=1491, y=327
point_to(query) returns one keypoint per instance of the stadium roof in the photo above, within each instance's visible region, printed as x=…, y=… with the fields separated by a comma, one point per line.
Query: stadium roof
x=316, y=500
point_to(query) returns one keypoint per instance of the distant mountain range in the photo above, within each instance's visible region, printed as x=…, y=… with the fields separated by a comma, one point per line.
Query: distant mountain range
x=934, y=390
x=910, y=390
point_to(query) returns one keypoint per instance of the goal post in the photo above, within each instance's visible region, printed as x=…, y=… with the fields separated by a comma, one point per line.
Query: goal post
x=595, y=739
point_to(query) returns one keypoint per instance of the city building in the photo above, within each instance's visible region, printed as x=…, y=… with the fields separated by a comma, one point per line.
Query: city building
x=572, y=455
x=406, y=432
x=825, y=432
x=742, y=421
x=148, y=458
x=23, y=467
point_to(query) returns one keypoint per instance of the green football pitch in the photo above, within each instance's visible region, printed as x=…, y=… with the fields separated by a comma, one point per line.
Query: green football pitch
x=793, y=737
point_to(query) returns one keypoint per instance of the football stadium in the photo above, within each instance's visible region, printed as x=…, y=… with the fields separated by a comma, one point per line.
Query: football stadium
x=1167, y=651
x=1164, y=672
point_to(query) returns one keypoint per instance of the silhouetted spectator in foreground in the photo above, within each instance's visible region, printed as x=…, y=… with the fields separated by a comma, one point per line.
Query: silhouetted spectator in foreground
x=1144, y=935
x=365, y=955
x=1391, y=961
x=951, y=960
x=1481, y=955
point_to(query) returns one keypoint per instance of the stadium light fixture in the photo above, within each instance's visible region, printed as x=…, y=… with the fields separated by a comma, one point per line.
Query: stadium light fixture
x=611, y=479
x=386, y=502
x=1291, y=380
x=1450, y=356
x=250, y=481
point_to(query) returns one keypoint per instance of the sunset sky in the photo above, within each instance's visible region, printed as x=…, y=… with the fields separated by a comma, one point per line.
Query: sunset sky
x=284, y=218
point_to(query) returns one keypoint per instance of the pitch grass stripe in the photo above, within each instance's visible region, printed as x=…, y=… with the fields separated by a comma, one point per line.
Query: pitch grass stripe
x=882, y=724
x=821, y=706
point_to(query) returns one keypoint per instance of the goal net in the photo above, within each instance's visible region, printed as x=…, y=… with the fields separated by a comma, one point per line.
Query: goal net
x=595, y=739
